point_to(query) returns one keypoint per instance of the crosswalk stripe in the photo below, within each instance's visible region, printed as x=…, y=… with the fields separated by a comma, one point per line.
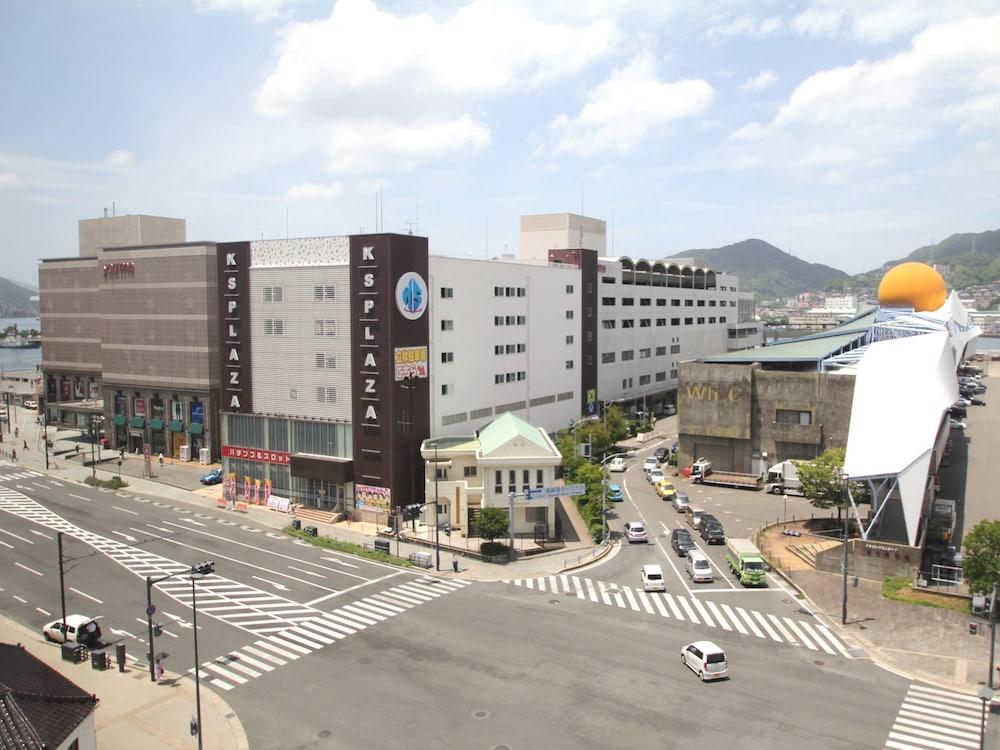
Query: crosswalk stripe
x=766, y=625
x=518, y=582
x=590, y=590
x=322, y=628
x=604, y=593
x=781, y=628
x=355, y=621
x=935, y=718
x=688, y=611
x=265, y=655
x=707, y=618
x=750, y=623
x=578, y=587
x=339, y=625
x=357, y=611
x=957, y=733
x=631, y=598
x=673, y=606
x=566, y=587
x=644, y=600
x=313, y=634
x=288, y=654
x=554, y=587
x=310, y=642
x=811, y=630
x=658, y=601
x=230, y=663
x=825, y=632
x=285, y=643
x=945, y=694
x=734, y=619
x=380, y=607
x=392, y=602
x=257, y=663
x=411, y=601
x=718, y=616
x=942, y=707
x=415, y=592
x=616, y=597
x=540, y=583
x=221, y=684
x=800, y=636
x=926, y=742
x=230, y=676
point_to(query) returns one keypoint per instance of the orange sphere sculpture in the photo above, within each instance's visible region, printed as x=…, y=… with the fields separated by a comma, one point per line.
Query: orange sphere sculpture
x=912, y=284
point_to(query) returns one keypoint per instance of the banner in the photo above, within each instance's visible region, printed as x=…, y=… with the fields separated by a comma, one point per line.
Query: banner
x=411, y=361
x=229, y=487
x=256, y=491
x=267, y=491
x=247, y=484
x=370, y=497
x=256, y=454
x=282, y=504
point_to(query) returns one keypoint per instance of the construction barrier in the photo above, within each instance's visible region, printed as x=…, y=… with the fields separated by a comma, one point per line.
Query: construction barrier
x=241, y=507
x=220, y=502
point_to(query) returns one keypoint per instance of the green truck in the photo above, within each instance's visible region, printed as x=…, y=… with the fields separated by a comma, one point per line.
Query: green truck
x=746, y=562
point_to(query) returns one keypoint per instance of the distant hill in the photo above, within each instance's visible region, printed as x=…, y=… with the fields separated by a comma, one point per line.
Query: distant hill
x=15, y=300
x=765, y=269
x=972, y=259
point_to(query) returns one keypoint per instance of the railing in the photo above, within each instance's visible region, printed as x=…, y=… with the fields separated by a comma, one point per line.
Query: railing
x=581, y=559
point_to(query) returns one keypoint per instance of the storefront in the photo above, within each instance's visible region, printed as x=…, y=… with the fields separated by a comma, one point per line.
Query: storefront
x=196, y=430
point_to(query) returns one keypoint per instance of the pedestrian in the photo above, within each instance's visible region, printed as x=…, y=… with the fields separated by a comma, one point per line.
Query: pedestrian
x=13, y=455
x=121, y=454
x=454, y=563
x=161, y=459
x=16, y=433
x=25, y=445
x=76, y=449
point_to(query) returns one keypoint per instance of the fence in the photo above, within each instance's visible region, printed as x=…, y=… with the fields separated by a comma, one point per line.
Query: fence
x=584, y=557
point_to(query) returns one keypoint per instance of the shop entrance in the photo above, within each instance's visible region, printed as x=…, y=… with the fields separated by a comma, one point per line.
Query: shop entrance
x=135, y=441
x=177, y=440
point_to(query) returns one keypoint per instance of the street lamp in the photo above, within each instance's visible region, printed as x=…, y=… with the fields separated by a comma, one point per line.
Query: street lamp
x=198, y=572
x=985, y=695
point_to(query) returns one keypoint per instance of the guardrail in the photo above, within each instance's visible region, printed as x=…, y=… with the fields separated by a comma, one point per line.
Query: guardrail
x=584, y=558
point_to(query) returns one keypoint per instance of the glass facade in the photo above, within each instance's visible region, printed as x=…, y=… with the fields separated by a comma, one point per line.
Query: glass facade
x=289, y=435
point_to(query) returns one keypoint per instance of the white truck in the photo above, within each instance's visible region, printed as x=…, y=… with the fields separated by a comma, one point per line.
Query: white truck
x=702, y=473
x=783, y=479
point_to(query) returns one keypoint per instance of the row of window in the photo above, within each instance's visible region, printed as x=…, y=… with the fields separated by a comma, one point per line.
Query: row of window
x=512, y=475
x=321, y=293
x=611, y=325
x=325, y=394
x=645, y=379
x=614, y=280
x=510, y=348
x=509, y=377
x=276, y=327
x=608, y=358
x=506, y=320
x=509, y=291
x=662, y=302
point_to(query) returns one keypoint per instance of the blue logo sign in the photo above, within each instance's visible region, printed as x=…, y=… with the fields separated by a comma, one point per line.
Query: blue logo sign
x=411, y=295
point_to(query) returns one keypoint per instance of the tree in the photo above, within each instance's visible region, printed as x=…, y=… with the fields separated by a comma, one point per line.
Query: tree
x=617, y=426
x=492, y=522
x=981, y=564
x=820, y=479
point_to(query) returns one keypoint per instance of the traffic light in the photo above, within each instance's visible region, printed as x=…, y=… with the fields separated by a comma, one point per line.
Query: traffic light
x=411, y=512
x=203, y=568
x=157, y=629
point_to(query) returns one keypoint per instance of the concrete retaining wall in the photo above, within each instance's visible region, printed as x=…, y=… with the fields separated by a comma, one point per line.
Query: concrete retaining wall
x=872, y=560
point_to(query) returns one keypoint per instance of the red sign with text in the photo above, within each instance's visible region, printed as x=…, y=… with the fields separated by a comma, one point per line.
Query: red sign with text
x=256, y=454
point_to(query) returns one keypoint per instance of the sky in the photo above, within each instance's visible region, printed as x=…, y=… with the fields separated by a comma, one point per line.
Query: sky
x=846, y=132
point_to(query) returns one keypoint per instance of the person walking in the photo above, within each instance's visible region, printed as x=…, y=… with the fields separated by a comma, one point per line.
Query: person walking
x=16, y=433
x=454, y=563
x=13, y=455
x=25, y=446
x=161, y=459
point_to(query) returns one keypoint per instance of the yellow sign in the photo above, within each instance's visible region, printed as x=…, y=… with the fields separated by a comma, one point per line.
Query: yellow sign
x=411, y=361
x=706, y=392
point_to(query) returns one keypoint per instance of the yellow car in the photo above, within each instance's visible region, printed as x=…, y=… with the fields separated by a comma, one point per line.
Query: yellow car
x=666, y=490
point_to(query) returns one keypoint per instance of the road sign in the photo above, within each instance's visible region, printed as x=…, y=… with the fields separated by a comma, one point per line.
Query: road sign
x=150, y=610
x=569, y=489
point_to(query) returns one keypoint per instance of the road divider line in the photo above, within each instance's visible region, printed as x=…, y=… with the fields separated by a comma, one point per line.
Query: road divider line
x=30, y=570
x=88, y=596
x=125, y=510
x=11, y=533
x=79, y=497
x=47, y=614
x=42, y=534
x=23, y=601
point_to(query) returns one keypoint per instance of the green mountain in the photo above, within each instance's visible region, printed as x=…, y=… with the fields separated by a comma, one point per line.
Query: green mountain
x=15, y=300
x=765, y=269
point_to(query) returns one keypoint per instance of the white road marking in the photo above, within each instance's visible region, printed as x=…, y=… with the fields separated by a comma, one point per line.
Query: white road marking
x=279, y=586
x=47, y=614
x=30, y=570
x=307, y=572
x=79, y=497
x=43, y=535
x=11, y=533
x=88, y=596
x=126, y=537
x=125, y=510
x=23, y=601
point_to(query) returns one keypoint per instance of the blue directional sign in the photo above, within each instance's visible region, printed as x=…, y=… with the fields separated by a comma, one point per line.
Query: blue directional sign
x=569, y=489
x=151, y=610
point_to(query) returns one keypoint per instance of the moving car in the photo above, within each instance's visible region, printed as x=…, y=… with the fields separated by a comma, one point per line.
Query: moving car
x=652, y=578
x=681, y=501
x=693, y=514
x=711, y=530
x=649, y=464
x=614, y=493
x=79, y=629
x=635, y=531
x=706, y=660
x=661, y=454
x=698, y=568
x=212, y=477
x=666, y=490
x=681, y=541
x=617, y=464
x=29, y=404
x=656, y=476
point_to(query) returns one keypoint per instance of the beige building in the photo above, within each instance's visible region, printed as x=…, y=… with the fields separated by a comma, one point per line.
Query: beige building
x=127, y=231
x=543, y=232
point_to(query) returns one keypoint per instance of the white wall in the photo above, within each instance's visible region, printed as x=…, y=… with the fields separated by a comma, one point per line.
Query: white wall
x=474, y=335
x=85, y=734
x=280, y=363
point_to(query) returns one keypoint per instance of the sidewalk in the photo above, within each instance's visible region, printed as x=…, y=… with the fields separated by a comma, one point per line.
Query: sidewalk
x=132, y=706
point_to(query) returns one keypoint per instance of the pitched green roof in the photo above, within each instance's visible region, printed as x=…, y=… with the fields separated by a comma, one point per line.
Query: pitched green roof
x=506, y=427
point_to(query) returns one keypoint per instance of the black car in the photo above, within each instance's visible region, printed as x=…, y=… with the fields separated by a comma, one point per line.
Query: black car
x=958, y=412
x=712, y=533
x=661, y=454
x=681, y=541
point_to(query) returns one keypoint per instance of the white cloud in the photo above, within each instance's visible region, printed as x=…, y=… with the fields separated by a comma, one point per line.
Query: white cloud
x=412, y=83
x=854, y=116
x=627, y=107
x=119, y=158
x=311, y=191
x=746, y=26
x=367, y=146
x=879, y=21
x=259, y=10
x=763, y=80
x=9, y=181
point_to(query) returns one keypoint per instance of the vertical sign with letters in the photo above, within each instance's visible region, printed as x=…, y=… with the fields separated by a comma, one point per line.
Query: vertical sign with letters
x=233, y=259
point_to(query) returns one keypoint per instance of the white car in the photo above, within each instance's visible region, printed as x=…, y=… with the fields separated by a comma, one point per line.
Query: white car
x=652, y=578
x=656, y=475
x=29, y=404
x=706, y=660
x=697, y=566
x=635, y=531
x=649, y=464
x=79, y=628
x=617, y=465
x=956, y=424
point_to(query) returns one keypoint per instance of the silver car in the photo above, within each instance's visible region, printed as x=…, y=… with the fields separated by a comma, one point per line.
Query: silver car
x=635, y=531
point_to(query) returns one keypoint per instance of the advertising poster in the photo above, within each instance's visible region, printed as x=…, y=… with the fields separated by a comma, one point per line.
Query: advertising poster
x=267, y=491
x=79, y=389
x=197, y=411
x=370, y=497
x=231, y=486
x=247, y=486
x=256, y=491
x=140, y=407
x=411, y=361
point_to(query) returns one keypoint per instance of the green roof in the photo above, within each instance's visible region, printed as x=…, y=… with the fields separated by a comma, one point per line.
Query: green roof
x=467, y=442
x=506, y=427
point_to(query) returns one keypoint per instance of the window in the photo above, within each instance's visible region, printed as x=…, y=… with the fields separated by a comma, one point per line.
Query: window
x=661, y=302
x=497, y=320
x=645, y=302
x=447, y=357
x=711, y=320
x=498, y=379
x=609, y=325
x=325, y=327
x=293, y=394
x=660, y=377
x=521, y=320
x=644, y=353
x=722, y=319
x=675, y=348
x=569, y=315
x=525, y=479
x=441, y=474
x=628, y=301
x=628, y=355
x=675, y=321
x=608, y=280
x=447, y=292
x=509, y=320
x=569, y=364
x=447, y=325
x=498, y=291
x=274, y=328
x=447, y=389
x=792, y=416
x=628, y=324
x=509, y=349
x=498, y=349
x=509, y=291
x=535, y=515
x=469, y=471
x=569, y=339
x=325, y=361
x=673, y=374
x=675, y=303
x=274, y=294
x=626, y=383
x=660, y=351
x=569, y=289
x=711, y=303
x=644, y=323
x=538, y=478
x=521, y=374
x=498, y=482
x=661, y=322
x=644, y=379
x=326, y=394
x=607, y=358
x=701, y=303
x=522, y=348
x=688, y=321
x=701, y=321
x=511, y=479
x=325, y=293
x=607, y=301
x=509, y=377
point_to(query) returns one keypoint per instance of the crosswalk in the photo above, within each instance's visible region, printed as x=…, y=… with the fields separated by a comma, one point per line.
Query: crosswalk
x=23, y=474
x=265, y=655
x=812, y=635
x=935, y=719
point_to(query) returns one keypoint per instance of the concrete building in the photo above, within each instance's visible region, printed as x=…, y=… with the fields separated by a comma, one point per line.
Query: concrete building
x=129, y=231
x=564, y=231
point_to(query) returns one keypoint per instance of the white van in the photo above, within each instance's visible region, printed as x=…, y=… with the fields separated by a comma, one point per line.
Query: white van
x=617, y=465
x=652, y=578
x=79, y=629
x=693, y=514
x=697, y=566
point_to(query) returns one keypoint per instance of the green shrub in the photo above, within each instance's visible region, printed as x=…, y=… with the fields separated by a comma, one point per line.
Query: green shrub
x=109, y=484
x=492, y=549
x=348, y=547
x=672, y=459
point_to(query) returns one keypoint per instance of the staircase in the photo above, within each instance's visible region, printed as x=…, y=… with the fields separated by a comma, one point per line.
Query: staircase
x=313, y=514
x=807, y=552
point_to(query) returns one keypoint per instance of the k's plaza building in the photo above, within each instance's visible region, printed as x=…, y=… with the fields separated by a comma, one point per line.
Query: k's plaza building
x=320, y=365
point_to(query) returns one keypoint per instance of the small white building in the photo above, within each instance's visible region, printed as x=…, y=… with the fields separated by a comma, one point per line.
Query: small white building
x=467, y=474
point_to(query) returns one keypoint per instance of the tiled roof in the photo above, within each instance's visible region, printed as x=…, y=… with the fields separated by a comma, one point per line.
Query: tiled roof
x=506, y=427
x=39, y=708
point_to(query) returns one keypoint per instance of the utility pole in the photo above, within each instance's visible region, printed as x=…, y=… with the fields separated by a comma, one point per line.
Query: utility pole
x=993, y=634
x=847, y=517
x=149, y=627
x=45, y=438
x=437, y=521
x=62, y=581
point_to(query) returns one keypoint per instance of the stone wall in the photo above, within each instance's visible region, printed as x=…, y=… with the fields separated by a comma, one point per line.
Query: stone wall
x=872, y=560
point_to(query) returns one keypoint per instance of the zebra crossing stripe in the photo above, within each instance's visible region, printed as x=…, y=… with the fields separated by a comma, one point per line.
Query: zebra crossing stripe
x=688, y=611
x=221, y=684
x=703, y=612
x=256, y=663
x=275, y=648
x=339, y=625
x=604, y=593
x=718, y=616
x=308, y=641
x=658, y=601
x=265, y=655
x=808, y=628
x=642, y=597
x=578, y=587
x=590, y=590
x=567, y=588
x=766, y=625
x=378, y=607
x=284, y=643
x=781, y=629
x=395, y=595
x=750, y=623
x=632, y=603
x=555, y=586
x=311, y=634
x=734, y=619
x=389, y=601
x=230, y=676
x=360, y=614
x=802, y=638
x=914, y=726
x=232, y=663
x=415, y=592
x=673, y=606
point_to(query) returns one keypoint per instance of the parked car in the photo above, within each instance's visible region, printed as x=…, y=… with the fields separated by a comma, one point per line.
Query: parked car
x=711, y=530
x=706, y=660
x=681, y=541
x=617, y=464
x=652, y=578
x=681, y=501
x=79, y=629
x=635, y=531
x=661, y=454
x=30, y=404
x=212, y=477
x=649, y=464
x=698, y=568
x=666, y=490
x=614, y=493
x=656, y=475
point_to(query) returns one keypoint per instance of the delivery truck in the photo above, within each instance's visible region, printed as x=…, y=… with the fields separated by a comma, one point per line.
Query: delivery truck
x=746, y=562
x=701, y=471
x=783, y=479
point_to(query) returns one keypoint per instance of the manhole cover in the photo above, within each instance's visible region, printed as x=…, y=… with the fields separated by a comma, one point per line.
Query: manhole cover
x=365, y=660
x=553, y=601
x=786, y=601
x=344, y=651
x=480, y=714
x=501, y=747
x=323, y=733
x=819, y=663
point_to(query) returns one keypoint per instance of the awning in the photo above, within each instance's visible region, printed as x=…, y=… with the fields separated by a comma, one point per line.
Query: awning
x=176, y=425
x=156, y=424
x=138, y=422
x=329, y=468
x=196, y=428
x=120, y=420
